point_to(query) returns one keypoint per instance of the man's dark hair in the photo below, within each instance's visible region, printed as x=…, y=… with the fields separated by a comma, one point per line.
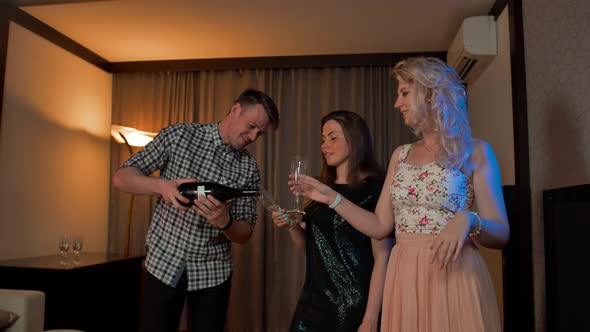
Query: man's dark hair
x=251, y=97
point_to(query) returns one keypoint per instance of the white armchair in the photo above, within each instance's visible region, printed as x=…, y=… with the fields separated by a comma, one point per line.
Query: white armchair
x=29, y=305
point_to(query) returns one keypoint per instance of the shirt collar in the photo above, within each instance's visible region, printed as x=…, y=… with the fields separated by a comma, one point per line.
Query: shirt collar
x=218, y=142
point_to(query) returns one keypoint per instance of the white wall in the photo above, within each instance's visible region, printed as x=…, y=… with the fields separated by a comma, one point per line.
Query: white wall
x=54, y=148
x=490, y=104
x=490, y=110
x=557, y=53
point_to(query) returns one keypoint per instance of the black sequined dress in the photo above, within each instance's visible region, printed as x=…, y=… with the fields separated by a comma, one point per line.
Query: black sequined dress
x=339, y=265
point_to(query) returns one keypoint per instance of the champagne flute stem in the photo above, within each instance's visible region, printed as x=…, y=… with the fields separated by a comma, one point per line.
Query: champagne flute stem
x=298, y=205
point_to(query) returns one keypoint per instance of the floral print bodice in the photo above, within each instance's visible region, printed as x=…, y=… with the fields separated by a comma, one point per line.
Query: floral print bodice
x=426, y=197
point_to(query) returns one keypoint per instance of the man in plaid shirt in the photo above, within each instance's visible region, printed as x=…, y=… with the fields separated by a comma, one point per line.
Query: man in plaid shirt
x=188, y=249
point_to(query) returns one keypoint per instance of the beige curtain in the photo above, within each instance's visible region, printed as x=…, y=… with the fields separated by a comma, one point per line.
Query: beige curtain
x=268, y=271
x=147, y=102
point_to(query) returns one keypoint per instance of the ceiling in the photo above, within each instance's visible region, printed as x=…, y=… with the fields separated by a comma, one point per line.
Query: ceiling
x=140, y=30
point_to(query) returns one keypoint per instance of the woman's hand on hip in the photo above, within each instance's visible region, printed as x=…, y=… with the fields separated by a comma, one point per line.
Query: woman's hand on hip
x=448, y=244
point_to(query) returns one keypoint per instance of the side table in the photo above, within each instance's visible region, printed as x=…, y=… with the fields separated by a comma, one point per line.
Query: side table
x=100, y=293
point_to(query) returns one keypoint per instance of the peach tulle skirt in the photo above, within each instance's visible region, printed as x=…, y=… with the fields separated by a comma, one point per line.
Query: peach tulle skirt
x=419, y=296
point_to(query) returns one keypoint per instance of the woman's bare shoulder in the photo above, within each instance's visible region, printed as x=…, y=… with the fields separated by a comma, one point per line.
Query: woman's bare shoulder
x=482, y=153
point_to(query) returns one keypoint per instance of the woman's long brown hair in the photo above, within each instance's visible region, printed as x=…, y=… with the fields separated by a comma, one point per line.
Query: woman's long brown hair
x=361, y=160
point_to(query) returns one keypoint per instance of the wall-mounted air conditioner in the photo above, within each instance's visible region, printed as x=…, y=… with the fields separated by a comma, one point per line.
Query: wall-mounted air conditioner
x=474, y=47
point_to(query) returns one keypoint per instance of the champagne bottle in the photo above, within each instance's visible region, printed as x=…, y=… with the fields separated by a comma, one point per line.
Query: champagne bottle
x=222, y=193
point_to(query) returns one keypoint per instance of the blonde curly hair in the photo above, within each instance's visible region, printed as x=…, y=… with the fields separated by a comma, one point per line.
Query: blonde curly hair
x=440, y=99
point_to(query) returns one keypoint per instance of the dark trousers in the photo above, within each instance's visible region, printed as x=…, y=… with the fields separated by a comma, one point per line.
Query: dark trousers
x=162, y=306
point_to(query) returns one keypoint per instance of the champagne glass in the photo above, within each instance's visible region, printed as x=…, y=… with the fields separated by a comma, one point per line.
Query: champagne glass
x=298, y=167
x=267, y=200
x=64, y=247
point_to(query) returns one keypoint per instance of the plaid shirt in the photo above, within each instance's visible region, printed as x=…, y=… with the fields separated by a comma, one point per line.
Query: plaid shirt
x=179, y=240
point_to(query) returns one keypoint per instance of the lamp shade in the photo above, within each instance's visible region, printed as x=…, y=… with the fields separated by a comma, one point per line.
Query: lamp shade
x=131, y=136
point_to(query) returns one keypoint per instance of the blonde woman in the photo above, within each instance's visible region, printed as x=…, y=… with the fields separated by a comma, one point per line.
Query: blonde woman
x=436, y=279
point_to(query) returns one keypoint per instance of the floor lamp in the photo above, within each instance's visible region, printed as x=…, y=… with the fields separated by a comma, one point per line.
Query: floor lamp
x=131, y=137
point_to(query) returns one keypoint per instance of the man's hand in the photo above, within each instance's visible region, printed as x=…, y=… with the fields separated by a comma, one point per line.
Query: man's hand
x=216, y=213
x=168, y=190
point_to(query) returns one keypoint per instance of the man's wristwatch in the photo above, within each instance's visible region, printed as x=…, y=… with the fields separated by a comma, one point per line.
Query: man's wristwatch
x=226, y=227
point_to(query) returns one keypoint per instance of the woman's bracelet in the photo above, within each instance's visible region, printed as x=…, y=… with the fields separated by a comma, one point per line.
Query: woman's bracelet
x=336, y=202
x=477, y=230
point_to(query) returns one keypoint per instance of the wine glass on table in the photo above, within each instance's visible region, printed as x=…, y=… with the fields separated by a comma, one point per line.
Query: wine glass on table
x=298, y=167
x=64, y=247
x=76, y=242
